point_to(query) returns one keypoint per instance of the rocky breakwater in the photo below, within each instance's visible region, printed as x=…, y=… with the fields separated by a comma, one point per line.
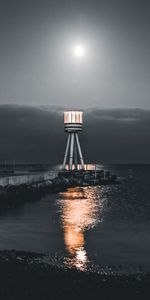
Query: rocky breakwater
x=85, y=178
x=16, y=195
x=12, y=195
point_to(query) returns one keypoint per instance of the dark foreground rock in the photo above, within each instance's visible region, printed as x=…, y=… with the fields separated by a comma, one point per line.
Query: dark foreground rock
x=26, y=276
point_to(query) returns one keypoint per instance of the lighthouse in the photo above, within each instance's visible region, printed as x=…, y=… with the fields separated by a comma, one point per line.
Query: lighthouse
x=73, y=158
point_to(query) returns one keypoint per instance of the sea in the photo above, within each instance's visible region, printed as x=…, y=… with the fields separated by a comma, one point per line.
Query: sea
x=94, y=228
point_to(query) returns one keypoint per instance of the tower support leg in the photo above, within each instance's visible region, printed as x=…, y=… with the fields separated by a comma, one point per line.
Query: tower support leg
x=71, y=151
x=75, y=155
x=66, y=153
x=79, y=150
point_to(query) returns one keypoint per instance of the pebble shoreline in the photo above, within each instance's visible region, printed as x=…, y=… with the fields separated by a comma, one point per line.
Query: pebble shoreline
x=25, y=275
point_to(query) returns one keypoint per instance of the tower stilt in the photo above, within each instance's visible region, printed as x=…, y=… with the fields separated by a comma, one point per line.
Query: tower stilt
x=66, y=152
x=79, y=150
x=71, y=151
x=75, y=154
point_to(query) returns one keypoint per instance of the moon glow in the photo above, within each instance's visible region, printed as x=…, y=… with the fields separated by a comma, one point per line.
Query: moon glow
x=79, y=51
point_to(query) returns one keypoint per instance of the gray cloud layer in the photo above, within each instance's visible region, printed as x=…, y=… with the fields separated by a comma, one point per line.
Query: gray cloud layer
x=36, y=134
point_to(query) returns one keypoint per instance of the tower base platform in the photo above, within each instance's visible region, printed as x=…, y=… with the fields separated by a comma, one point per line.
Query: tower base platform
x=86, y=178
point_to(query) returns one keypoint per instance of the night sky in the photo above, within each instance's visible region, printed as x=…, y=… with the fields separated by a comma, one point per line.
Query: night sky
x=37, y=64
x=40, y=77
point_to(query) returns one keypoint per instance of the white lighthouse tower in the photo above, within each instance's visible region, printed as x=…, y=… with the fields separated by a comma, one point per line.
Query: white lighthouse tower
x=73, y=159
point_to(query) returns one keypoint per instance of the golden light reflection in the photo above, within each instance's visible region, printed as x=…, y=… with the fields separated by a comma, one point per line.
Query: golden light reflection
x=80, y=210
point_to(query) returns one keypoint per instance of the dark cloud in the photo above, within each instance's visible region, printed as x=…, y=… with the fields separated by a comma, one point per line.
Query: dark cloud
x=36, y=134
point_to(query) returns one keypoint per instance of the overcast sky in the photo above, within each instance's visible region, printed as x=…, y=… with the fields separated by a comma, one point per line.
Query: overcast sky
x=31, y=134
x=37, y=65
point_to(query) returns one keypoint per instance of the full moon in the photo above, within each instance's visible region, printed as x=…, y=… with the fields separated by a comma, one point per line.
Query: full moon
x=79, y=51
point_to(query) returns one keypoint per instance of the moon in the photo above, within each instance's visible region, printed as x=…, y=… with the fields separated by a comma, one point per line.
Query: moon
x=79, y=51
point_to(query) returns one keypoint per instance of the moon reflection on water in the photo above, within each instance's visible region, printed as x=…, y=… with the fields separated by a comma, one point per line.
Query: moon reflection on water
x=80, y=209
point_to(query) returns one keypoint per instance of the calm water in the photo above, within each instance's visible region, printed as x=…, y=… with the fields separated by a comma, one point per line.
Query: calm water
x=88, y=226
